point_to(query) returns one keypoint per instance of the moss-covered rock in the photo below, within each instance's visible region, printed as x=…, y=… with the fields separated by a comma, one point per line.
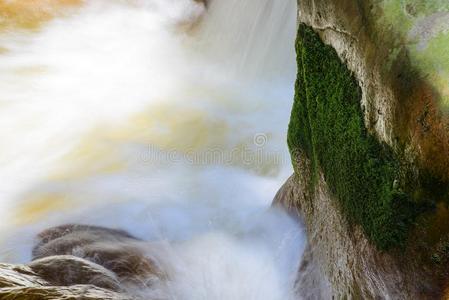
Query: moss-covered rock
x=369, y=140
x=327, y=124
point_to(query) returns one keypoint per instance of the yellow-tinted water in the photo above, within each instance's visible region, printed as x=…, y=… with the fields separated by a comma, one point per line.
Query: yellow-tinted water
x=32, y=13
x=113, y=114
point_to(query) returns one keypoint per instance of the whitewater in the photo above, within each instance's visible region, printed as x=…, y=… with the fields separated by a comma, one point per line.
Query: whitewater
x=165, y=118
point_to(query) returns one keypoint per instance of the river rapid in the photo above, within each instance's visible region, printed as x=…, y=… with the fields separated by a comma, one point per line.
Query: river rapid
x=165, y=118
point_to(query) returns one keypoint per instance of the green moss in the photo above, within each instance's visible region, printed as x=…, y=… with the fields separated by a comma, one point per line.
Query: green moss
x=395, y=16
x=401, y=15
x=433, y=61
x=327, y=125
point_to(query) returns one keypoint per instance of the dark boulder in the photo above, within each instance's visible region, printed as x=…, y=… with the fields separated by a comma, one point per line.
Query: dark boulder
x=67, y=270
x=115, y=250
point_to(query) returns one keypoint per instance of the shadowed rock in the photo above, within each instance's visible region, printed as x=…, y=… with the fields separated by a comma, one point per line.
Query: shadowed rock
x=115, y=250
x=19, y=282
x=65, y=270
x=81, y=262
x=76, y=292
x=17, y=276
x=64, y=238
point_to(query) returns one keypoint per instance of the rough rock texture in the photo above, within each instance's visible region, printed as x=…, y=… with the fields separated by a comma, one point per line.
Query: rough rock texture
x=21, y=282
x=74, y=292
x=339, y=260
x=401, y=97
x=385, y=235
x=311, y=282
x=115, y=250
x=84, y=262
x=18, y=275
x=64, y=270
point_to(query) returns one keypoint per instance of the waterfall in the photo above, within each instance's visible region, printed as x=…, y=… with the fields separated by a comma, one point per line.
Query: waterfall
x=165, y=118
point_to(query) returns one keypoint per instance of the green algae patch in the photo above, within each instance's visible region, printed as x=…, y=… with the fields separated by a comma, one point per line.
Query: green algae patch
x=327, y=125
x=434, y=63
x=420, y=27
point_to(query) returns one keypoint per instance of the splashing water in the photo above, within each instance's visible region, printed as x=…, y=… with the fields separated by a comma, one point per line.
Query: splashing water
x=161, y=117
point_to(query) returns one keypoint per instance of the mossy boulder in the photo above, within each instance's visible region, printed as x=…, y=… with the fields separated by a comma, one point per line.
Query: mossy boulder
x=327, y=124
x=369, y=137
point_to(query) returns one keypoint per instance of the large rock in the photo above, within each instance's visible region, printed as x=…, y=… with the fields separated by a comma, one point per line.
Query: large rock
x=116, y=250
x=19, y=282
x=369, y=141
x=339, y=260
x=18, y=276
x=84, y=262
x=75, y=292
x=66, y=270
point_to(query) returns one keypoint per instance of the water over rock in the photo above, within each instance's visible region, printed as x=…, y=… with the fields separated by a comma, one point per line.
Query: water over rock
x=81, y=262
x=66, y=270
x=21, y=282
x=115, y=250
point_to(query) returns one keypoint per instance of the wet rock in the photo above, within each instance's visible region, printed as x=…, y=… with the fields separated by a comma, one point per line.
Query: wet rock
x=18, y=275
x=66, y=270
x=20, y=282
x=115, y=250
x=395, y=51
x=49, y=240
x=76, y=292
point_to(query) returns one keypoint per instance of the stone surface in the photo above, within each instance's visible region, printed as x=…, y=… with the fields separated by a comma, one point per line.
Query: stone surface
x=21, y=282
x=339, y=261
x=75, y=292
x=84, y=262
x=397, y=52
x=66, y=270
x=403, y=89
x=18, y=276
x=115, y=250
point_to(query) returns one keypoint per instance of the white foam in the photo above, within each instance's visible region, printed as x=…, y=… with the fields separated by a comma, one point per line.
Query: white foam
x=97, y=69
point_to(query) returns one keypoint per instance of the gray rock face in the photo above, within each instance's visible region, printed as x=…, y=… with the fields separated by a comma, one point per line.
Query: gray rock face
x=339, y=261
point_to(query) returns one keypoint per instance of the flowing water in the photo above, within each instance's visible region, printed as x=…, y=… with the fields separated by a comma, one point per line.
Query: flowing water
x=161, y=117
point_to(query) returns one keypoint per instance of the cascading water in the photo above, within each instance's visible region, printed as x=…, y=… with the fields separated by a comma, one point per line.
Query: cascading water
x=163, y=118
